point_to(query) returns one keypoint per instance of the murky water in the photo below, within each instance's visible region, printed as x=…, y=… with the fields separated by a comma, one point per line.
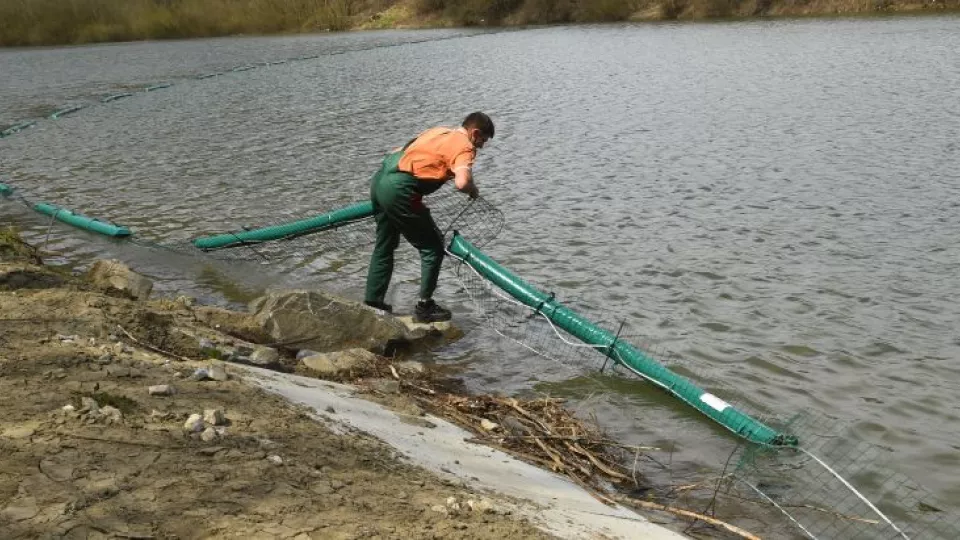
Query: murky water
x=775, y=202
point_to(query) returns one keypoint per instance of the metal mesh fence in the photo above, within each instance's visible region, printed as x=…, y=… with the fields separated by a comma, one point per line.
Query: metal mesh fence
x=833, y=486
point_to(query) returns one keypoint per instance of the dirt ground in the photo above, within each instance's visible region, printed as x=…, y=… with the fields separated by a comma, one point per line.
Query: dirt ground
x=86, y=451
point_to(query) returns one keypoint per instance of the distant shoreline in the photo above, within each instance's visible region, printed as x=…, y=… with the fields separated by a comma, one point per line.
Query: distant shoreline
x=35, y=23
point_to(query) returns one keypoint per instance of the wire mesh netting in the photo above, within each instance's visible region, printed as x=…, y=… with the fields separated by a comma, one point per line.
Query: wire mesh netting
x=832, y=486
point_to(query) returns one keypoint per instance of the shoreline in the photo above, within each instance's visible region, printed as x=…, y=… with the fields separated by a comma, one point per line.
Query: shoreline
x=97, y=386
x=401, y=16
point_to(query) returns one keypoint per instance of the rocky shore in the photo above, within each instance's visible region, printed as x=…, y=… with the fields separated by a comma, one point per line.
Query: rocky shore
x=126, y=417
x=112, y=429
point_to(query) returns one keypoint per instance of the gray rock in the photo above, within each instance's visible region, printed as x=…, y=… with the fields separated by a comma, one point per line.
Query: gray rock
x=208, y=435
x=111, y=414
x=340, y=362
x=214, y=417
x=194, y=423
x=217, y=373
x=322, y=322
x=275, y=459
x=161, y=390
x=205, y=344
x=116, y=275
x=411, y=366
x=118, y=371
x=105, y=359
x=200, y=374
x=264, y=356
x=89, y=405
x=303, y=353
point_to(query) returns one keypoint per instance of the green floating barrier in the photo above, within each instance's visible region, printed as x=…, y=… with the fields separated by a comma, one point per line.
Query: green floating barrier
x=6, y=190
x=620, y=351
x=81, y=221
x=319, y=223
x=115, y=97
x=16, y=128
x=65, y=111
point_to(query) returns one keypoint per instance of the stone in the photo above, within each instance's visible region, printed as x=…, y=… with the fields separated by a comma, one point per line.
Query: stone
x=324, y=323
x=444, y=329
x=105, y=359
x=488, y=425
x=242, y=325
x=206, y=345
x=217, y=373
x=68, y=408
x=264, y=356
x=208, y=435
x=113, y=274
x=275, y=459
x=340, y=362
x=118, y=371
x=200, y=374
x=411, y=366
x=214, y=417
x=439, y=509
x=303, y=353
x=161, y=390
x=111, y=414
x=89, y=405
x=484, y=507
x=194, y=424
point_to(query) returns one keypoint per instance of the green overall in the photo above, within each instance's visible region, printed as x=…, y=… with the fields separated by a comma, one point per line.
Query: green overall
x=398, y=210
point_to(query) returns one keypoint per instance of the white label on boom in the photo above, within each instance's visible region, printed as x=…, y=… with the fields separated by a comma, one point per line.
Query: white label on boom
x=714, y=402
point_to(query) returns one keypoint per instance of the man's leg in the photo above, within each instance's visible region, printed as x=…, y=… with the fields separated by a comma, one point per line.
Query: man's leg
x=421, y=231
x=388, y=238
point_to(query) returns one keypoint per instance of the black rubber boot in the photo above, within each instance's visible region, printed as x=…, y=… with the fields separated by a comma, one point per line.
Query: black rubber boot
x=428, y=311
x=379, y=305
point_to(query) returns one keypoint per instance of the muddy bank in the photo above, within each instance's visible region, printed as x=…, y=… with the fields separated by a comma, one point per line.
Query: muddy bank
x=102, y=437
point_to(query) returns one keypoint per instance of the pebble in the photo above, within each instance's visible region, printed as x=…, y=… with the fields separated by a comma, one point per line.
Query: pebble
x=194, y=423
x=105, y=359
x=275, y=459
x=112, y=414
x=208, y=435
x=200, y=374
x=488, y=425
x=264, y=356
x=217, y=373
x=303, y=353
x=206, y=344
x=68, y=408
x=213, y=417
x=89, y=405
x=439, y=509
x=161, y=390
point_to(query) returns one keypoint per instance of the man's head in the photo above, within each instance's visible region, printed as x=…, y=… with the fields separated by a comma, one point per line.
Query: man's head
x=479, y=128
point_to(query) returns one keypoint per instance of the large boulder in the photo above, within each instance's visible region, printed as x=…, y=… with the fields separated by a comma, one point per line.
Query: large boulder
x=323, y=323
x=111, y=274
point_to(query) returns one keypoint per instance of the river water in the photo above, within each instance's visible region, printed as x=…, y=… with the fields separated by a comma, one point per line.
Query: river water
x=776, y=203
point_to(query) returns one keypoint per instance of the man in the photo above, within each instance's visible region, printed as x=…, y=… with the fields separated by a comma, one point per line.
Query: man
x=420, y=168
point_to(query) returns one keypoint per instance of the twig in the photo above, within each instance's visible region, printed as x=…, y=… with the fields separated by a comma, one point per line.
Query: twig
x=687, y=513
x=152, y=348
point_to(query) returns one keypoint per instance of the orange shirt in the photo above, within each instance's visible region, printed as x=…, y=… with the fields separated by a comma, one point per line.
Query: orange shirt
x=437, y=153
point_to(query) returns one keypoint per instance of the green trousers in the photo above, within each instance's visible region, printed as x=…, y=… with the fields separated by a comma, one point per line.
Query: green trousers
x=398, y=209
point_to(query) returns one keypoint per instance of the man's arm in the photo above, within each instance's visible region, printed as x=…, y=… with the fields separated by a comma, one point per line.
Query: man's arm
x=463, y=180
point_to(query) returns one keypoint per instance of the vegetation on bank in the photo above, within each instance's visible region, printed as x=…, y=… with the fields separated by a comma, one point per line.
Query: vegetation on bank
x=54, y=22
